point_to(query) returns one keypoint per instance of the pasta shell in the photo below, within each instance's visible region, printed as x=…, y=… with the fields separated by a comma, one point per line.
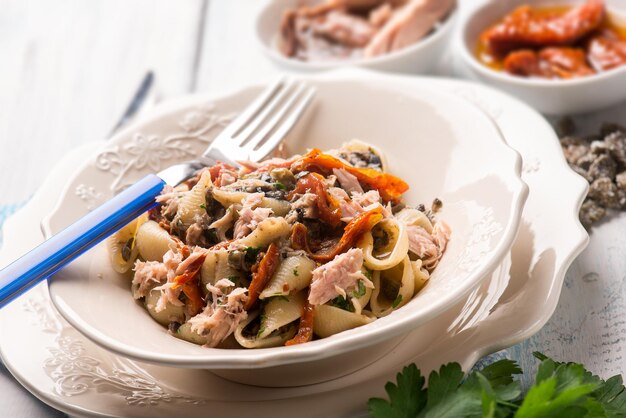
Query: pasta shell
x=421, y=275
x=216, y=267
x=184, y=332
x=361, y=302
x=293, y=274
x=329, y=320
x=228, y=198
x=360, y=146
x=391, y=252
x=411, y=216
x=268, y=231
x=193, y=202
x=171, y=313
x=153, y=241
x=122, y=245
x=393, y=288
x=281, y=311
x=248, y=340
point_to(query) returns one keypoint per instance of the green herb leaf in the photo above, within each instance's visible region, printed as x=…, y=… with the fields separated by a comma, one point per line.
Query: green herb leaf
x=278, y=185
x=397, y=301
x=360, y=290
x=203, y=206
x=341, y=303
x=406, y=399
x=562, y=390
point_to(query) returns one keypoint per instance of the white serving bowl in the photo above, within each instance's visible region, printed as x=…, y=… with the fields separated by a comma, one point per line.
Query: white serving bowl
x=555, y=97
x=419, y=58
x=441, y=144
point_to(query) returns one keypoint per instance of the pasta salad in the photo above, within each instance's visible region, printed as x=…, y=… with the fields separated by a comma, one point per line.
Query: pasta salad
x=280, y=252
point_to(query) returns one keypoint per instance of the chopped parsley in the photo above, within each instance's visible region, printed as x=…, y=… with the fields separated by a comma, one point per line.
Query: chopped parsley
x=341, y=303
x=360, y=290
x=397, y=302
x=368, y=273
x=278, y=185
x=203, y=206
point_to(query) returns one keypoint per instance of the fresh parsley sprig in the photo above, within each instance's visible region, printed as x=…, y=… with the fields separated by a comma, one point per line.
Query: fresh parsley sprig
x=561, y=390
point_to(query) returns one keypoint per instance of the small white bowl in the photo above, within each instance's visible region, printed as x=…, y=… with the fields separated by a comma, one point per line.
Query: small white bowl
x=419, y=58
x=442, y=145
x=555, y=97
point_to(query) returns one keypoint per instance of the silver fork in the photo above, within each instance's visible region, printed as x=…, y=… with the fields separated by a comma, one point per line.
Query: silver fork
x=253, y=135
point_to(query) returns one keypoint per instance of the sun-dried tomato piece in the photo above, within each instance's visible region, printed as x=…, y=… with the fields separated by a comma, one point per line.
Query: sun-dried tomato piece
x=557, y=62
x=192, y=271
x=528, y=28
x=606, y=51
x=359, y=225
x=327, y=207
x=305, y=328
x=216, y=172
x=194, y=303
x=390, y=187
x=264, y=272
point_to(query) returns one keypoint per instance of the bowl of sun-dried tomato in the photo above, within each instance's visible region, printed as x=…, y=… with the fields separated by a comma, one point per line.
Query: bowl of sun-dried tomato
x=567, y=57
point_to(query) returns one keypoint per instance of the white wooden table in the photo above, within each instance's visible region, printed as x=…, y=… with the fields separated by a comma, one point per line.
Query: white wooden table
x=69, y=67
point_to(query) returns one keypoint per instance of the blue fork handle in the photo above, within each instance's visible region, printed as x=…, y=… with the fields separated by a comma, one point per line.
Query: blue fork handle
x=60, y=249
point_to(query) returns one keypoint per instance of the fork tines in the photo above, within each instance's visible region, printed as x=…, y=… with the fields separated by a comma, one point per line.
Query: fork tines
x=270, y=117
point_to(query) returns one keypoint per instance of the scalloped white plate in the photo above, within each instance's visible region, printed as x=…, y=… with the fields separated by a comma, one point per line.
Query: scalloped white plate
x=67, y=371
x=433, y=139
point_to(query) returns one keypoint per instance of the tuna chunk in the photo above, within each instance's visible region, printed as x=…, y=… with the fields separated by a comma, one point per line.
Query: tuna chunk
x=169, y=199
x=441, y=233
x=408, y=24
x=223, y=224
x=360, y=202
x=306, y=204
x=337, y=276
x=221, y=317
x=344, y=29
x=429, y=248
x=197, y=255
x=152, y=273
x=169, y=294
x=347, y=181
x=250, y=215
x=367, y=201
x=148, y=274
x=194, y=234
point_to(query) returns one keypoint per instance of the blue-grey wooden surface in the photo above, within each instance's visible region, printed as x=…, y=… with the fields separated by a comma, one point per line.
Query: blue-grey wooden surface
x=69, y=67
